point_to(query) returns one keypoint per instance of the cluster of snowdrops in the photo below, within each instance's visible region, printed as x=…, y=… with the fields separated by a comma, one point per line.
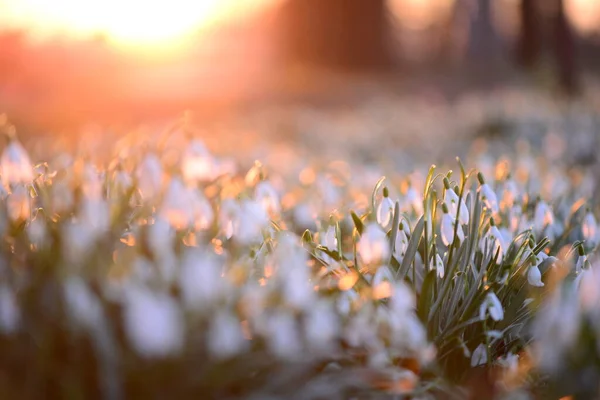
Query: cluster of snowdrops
x=188, y=275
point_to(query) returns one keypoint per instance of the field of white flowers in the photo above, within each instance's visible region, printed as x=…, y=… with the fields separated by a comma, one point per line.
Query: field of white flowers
x=161, y=269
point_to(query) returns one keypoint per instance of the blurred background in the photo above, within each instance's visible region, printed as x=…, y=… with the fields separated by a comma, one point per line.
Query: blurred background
x=66, y=63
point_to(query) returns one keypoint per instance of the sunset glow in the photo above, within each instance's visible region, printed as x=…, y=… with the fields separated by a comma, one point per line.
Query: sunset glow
x=132, y=23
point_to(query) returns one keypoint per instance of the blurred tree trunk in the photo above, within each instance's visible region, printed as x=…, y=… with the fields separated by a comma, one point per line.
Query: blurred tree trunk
x=564, y=51
x=350, y=34
x=528, y=45
x=484, y=43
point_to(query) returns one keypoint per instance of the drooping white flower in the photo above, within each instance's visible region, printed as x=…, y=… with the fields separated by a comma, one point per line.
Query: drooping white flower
x=321, y=326
x=329, y=238
x=153, y=323
x=534, y=276
x=251, y=220
x=496, y=239
x=439, y=265
x=18, y=204
x=451, y=200
x=15, y=165
x=488, y=195
x=373, y=246
x=581, y=263
x=228, y=215
x=479, y=356
x=176, y=206
x=510, y=193
x=401, y=244
x=83, y=306
x=10, y=314
x=589, y=227
x=267, y=196
x=149, y=175
x=197, y=164
x=543, y=216
x=200, y=280
x=491, y=305
x=385, y=210
x=414, y=200
x=447, y=228
x=282, y=335
x=225, y=337
x=202, y=211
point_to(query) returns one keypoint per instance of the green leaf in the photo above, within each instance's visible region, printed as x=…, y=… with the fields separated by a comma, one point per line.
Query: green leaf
x=360, y=227
x=395, y=227
x=426, y=297
x=411, y=250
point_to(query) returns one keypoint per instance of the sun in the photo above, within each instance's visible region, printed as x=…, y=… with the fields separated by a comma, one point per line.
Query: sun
x=126, y=22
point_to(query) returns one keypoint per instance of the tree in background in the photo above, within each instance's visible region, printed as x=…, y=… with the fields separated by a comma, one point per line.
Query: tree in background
x=349, y=34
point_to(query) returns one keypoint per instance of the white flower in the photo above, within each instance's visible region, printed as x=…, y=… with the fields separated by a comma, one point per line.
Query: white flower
x=385, y=211
x=534, y=276
x=225, y=336
x=267, y=196
x=509, y=196
x=542, y=217
x=15, y=165
x=497, y=239
x=447, y=229
x=149, y=175
x=202, y=211
x=282, y=335
x=373, y=245
x=589, y=227
x=321, y=326
x=10, y=314
x=580, y=264
x=197, y=165
x=329, y=238
x=489, y=197
x=439, y=265
x=18, y=204
x=228, y=215
x=176, y=206
x=414, y=200
x=451, y=199
x=401, y=245
x=200, y=280
x=250, y=221
x=403, y=299
x=153, y=323
x=83, y=306
x=479, y=356
x=491, y=305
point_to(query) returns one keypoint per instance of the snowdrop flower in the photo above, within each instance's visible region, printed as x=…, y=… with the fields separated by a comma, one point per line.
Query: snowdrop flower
x=200, y=280
x=447, y=228
x=589, y=227
x=95, y=215
x=202, y=211
x=228, y=215
x=282, y=335
x=10, y=313
x=197, y=165
x=495, y=237
x=581, y=263
x=451, y=199
x=534, y=276
x=18, y=204
x=83, y=306
x=373, y=245
x=329, y=238
x=225, y=337
x=439, y=265
x=510, y=193
x=321, y=326
x=385, y=210
x=543, y=216
x=15, y=164
x=149, y=175
x=153, y=323
x=491, y=305
x=345, y=301
x=401, y=243
x=250, y=222
x=414, y=200
x=176, y=206
x=487, y=194
x=160, y=238
x=267, y=196
x=479, y=356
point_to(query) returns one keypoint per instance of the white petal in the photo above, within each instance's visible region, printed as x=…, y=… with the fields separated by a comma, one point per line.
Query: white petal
x=534, y=276
x=479, y=356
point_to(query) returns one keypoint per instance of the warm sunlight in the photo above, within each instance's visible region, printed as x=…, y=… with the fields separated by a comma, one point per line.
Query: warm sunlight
x=132, y=23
